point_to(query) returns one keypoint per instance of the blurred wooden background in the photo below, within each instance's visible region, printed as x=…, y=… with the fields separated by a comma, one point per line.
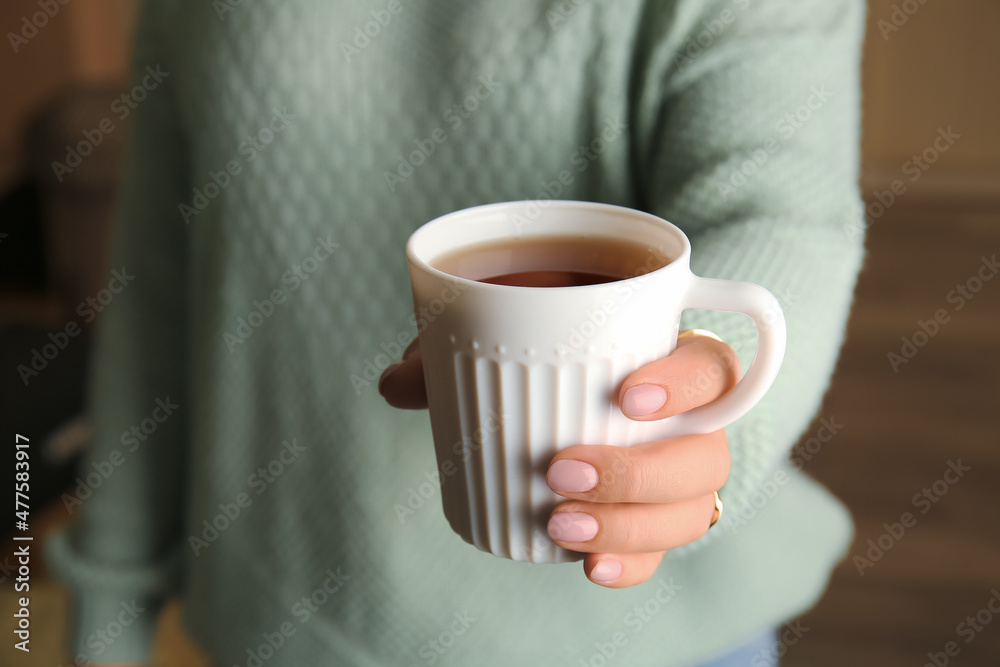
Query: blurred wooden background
x=940, y=69
x=937, y=69
x=84, y=43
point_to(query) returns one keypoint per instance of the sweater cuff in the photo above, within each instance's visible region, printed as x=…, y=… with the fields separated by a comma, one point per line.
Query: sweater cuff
x=107, y=628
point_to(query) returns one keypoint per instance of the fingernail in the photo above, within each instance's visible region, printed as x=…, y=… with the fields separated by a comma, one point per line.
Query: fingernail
x=606, y=570
x=644, y=399
x=572, y=527
x=392, y=368
x=569, y=476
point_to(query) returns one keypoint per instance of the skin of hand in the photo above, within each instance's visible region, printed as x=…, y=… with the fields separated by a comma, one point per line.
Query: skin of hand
x=627, y=506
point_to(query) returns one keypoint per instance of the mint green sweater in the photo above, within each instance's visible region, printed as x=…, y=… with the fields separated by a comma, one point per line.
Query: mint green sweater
x=280, y=159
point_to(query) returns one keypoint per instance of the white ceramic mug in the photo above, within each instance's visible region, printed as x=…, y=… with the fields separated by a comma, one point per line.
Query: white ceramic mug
x=514, y=374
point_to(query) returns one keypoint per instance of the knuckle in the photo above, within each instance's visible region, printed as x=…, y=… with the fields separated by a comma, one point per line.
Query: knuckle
x=627, y=478
x=628, y=533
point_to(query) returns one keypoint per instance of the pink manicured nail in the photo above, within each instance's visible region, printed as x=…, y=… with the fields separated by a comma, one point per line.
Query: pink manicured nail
x=644, y=399
x=569, y=476
x=606, y=570
x=572, y=527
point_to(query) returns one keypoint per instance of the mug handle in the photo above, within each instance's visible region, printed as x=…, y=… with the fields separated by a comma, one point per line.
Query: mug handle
x=764, y=309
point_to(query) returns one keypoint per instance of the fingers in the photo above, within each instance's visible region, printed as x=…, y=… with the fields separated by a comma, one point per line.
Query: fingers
x=630, y=528
x=621, y=570
x=700, y=370
x=402, y=383
x=664, y=471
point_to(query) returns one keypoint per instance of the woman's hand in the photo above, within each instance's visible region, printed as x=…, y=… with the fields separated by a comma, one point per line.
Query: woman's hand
x=628, y=505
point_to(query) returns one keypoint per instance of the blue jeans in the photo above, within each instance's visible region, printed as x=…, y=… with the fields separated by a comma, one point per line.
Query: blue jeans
x=758, y=652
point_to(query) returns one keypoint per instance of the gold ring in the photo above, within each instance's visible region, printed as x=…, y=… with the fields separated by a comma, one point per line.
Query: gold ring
x=686, y=333
x=717, y=514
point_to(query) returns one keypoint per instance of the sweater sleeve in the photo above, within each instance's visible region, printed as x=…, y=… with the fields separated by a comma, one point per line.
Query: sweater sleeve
x=747, y=117
x=121, y=556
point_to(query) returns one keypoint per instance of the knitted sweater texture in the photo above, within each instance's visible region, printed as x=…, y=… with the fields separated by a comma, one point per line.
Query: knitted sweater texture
x=281, y=156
